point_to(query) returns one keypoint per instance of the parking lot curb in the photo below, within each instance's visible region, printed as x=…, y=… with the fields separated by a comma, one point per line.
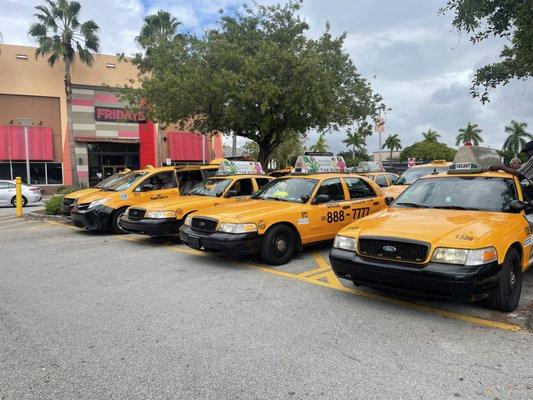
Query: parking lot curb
x=40, y=215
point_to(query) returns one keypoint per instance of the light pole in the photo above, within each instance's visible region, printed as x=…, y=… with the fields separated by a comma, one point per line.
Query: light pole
x=26, y=122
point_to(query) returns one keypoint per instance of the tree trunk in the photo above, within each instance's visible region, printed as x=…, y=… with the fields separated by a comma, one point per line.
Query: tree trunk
x=70, y=125
x=390, y=159
x=264, y=155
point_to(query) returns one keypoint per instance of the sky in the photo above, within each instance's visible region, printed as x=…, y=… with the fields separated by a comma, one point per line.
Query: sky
x=411, y=55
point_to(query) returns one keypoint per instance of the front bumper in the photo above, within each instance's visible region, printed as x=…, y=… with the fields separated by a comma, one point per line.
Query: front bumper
x=97, y=218
x=66, y=210
x=231, y=244
x=151, y=227
x=455, y=283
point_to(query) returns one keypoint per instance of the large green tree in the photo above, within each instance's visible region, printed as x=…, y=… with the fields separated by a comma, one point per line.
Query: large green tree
x=158, y=27
x=357, y=139
x=507, y=19
x=471, y=133
x=61, y=36
x=392, y=143
x=257, y=75
x=428, y=151
x=431, y=136
x=516, y=137
x=321, y=144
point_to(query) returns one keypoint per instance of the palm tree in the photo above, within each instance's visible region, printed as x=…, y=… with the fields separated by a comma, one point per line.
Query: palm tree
x=516, y=138
x=60, y=35
x=157, y=27
x=469, y=134
x=355, y=140
x=321, y=145
x=392, y=143
x=431, y=136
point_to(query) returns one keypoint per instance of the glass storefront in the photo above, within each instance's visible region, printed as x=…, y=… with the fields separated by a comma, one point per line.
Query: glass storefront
x=41, y=173
x=106, y=159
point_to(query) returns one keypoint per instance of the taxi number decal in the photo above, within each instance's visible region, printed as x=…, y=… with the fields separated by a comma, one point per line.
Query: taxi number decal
x=464, y=237
x=335, y=216
x=360, y=212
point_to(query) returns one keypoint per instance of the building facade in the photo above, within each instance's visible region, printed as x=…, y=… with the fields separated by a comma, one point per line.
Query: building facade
x=108, y=137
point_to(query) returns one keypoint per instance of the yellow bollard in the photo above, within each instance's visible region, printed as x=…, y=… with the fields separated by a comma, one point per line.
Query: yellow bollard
x=18, y=191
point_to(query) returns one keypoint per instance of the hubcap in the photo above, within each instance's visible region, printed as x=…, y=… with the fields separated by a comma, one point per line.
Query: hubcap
x=281, y=245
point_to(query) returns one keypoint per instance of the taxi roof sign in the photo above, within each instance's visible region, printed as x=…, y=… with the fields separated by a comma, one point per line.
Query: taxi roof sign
x=370, y=166
x=439, y=162
x=228, y=167
x=309, y=164
x=473, y=159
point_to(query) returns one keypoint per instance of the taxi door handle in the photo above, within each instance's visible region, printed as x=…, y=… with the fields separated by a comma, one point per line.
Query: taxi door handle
x=376, y=203
x=345, y=207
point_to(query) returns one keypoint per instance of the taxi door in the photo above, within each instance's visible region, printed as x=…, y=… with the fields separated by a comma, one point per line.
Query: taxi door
x=363, y=199
x=158, y=186
x=326, y=219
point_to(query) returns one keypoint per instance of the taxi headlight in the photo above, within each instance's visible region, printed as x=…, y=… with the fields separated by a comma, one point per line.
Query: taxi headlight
x=237, y=228
x=345, y=243
x=188, y=221
x=160, y=214
x=96, y=203
x=465, y=257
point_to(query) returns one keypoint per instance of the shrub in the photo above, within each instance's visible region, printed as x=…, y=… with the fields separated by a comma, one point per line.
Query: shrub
x=53, y=206
x=66, y=189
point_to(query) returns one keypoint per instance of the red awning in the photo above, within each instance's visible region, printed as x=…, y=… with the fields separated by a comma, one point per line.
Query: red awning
x=187, y=146
x=40, y=143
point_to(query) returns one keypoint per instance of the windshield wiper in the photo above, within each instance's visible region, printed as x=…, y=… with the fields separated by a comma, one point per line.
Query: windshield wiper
x=414, y=205
x=456, y=208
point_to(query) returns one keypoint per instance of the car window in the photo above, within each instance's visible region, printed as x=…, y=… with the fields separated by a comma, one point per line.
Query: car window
x=294, y=190
x=188, y=180
x=459, y=193
x=243, y=187
x=261, y=182
x=160, y=181
x=212, y=187
x=126, y=181
x=413, y=174
x=392, y=178
x=381, y=181
x=4, y=185
x=359, y=189
x=332, y=188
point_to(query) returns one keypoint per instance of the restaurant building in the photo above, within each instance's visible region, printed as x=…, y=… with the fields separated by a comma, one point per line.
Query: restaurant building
x=108, y=137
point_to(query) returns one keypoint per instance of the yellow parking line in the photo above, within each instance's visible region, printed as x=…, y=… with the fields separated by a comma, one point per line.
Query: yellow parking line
x=330, y=275
x=184, y=250
x=314, y=271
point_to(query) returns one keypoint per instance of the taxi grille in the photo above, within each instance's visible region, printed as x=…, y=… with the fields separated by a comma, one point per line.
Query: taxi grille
x=393, y=249
x=82, y=207
x=204, y=224
x=136, y=213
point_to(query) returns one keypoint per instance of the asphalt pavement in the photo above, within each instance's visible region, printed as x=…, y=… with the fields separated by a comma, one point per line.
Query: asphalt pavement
x=101, y=316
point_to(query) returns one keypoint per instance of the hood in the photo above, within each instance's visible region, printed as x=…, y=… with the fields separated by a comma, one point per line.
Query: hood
x=448, y=228
x=80, y=193
x=250, y=211
x=100, y=194
x=394, y=190
x=178, y=203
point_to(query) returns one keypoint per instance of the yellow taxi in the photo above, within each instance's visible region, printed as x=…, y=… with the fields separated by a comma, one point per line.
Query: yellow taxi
x=235, y=182
x=102, y=210
x=413, y=173
x=70, y=198
x=463, y=236
x=376, y=172
x=306, y=207
x=280, y=172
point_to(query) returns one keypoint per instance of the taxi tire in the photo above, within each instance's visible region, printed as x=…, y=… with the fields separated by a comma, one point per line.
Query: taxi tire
x=504, y=298
x=114, y=221
x=269, y=252
x=14, y=201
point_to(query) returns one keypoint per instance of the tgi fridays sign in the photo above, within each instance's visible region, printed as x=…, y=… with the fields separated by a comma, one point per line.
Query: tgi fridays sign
x=110, y=114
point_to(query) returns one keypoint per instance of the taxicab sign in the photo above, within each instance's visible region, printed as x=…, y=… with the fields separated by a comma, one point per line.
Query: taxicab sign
x=228, y=167
x=314, y=164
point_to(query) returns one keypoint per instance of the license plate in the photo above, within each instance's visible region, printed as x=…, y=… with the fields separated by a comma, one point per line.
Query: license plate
x=195, y=242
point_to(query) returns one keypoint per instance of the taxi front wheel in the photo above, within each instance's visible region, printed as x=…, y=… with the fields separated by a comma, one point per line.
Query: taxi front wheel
x=115, y=221
x=507, y=294
x=278, y=246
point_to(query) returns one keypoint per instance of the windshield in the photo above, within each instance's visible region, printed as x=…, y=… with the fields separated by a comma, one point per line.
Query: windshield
x=126, y=181
x=459, y=193
x=109, y=181
x=211, y=187
x=413, y=174
x=287, y=189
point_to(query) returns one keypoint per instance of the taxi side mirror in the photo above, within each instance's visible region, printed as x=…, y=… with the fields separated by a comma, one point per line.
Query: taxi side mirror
x=389, y=200
x=304, y=198
x=232, y=193
x=516, y=206
x=321, y=198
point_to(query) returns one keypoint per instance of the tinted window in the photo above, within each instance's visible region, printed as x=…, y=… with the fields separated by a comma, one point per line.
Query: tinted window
x=358, y=188
x=243, y=187
x=160, y=181
x=261, y=182
x=381, y=181
x=210, y=187
x=188, y=180
x=470, y=193
x=413, y=174
x=332, y=188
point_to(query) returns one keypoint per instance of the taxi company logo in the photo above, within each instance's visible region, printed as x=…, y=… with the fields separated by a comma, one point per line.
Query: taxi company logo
x=202, y=224
x=389, y=249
